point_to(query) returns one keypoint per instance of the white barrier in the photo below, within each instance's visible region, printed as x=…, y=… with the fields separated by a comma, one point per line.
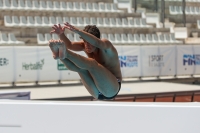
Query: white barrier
x=98, y=117
x=47, y=65
x=26, y=64
x=196, y=49
x=184, y=60
x=129, y=58
x=168, y=64
x=150, y=61
x=31, y=64
x=7, y=64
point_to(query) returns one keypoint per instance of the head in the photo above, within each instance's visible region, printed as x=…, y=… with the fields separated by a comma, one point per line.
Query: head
x=92, y=29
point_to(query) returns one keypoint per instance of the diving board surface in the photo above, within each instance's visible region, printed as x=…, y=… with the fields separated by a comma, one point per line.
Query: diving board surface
x=98, y=117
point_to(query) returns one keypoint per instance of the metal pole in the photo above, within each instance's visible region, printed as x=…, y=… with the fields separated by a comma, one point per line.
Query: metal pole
x=184, y=16
x=156, y=5
x=135, y=5
x=163, y=12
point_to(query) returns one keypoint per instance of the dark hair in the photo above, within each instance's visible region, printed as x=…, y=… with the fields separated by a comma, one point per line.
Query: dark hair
x=92, y=29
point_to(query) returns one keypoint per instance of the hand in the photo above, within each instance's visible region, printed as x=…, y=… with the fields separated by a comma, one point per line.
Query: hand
x=58, y=29
x=70, y=27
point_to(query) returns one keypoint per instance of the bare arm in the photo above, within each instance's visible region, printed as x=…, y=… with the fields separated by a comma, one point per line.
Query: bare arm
x=76, y=46
x=93, y=40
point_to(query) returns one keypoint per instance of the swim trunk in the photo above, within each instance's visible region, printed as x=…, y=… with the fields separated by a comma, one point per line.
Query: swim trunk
x=102, y=97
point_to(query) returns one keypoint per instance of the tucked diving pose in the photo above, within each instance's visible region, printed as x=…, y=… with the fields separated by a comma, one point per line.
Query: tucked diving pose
x=100, y=73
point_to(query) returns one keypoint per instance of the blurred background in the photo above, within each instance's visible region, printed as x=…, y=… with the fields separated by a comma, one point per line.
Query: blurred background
x=157, y=42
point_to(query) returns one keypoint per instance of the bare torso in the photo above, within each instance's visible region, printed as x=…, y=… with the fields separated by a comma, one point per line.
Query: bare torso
x=109, y=59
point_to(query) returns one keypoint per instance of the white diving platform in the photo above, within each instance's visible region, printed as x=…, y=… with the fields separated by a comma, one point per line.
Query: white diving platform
x=98, y=117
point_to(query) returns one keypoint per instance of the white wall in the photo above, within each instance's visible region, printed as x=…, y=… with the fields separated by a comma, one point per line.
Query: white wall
x=98, y=117
x=31, y=64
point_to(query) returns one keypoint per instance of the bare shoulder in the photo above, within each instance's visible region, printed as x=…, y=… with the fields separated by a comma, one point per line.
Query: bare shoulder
x=107, y=43
x=110, y=47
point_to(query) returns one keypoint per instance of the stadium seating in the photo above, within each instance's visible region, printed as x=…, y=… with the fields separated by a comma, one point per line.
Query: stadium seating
x=55, y=36
x=10, y=39
x=189, y=10
x=21, y=5
x=56, y=6
x=104, y=36
x=43, y=21
x=30, y=21
x=114, y=23
x=4, y=39
x=41, y=39
x=44, y=39
x=130, y=38
x=38, y=22
x=14, y=5
x=28, y=5
x=76, y=37
x=35, y=5
x=22, y=21
x=95, y=7
x=89, y=7
x=47, y=37
x=15, y=21
x=13, y=40
x=149, y=38
x=198, y=24
x=82, y=6
x=70, y=37
x=50, y=6
x=70, y=6
x=86, y=21
x=182, y=0
x=6, y=5
x=63, y=6
x=124, y=38
x=8, y=21
x=52, y=21
x=121, y=39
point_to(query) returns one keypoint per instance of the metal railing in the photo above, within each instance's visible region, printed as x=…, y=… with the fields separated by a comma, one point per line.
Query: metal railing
x=180, y=96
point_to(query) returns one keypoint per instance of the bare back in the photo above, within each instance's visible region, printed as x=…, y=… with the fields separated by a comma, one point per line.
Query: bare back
x=109, y=59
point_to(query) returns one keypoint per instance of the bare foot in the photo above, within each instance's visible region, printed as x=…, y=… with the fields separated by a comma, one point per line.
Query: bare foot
x=54, y=48
x=62, y=49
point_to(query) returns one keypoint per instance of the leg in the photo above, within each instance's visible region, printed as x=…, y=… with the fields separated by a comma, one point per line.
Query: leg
x=86, y=78
x=104, y=80
x=84, y=74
